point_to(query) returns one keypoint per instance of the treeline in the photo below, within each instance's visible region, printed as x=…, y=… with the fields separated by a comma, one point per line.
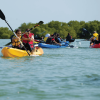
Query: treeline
x=72, y=27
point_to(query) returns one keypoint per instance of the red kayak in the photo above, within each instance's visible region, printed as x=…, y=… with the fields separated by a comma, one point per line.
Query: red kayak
x=95, y=45
x=37, y=40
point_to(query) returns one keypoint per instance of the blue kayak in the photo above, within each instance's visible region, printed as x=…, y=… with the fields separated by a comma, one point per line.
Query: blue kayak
x=63, y=45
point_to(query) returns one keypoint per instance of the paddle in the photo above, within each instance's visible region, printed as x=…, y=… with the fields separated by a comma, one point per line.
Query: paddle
x=8, y=44
x=85, y=33
x=36, y=37
x=2, y=16
x=42, y=32
x=40, y=22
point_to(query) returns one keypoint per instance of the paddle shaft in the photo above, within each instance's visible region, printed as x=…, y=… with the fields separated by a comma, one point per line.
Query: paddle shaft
x=41, y=22
x=17, y=37
x=42, y=32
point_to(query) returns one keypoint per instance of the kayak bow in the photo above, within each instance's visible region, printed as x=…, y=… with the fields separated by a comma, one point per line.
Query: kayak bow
x=13, y=52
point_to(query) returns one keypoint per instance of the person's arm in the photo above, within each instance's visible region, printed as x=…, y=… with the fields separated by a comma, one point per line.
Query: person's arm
x=27, y=39
x=56, y=42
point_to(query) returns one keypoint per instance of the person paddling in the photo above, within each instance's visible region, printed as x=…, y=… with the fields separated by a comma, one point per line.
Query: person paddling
x=51, y=40
x=94, y=37
x=98, y=40
x=28, y=39
x=68, y=38
x=16, y=40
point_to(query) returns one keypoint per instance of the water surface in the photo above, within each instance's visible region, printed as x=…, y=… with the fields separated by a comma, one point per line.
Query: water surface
x=59, y=74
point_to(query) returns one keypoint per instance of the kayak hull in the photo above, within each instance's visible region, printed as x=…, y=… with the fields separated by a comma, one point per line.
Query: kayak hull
x=95, y=45
x=44, y=45
x=13, y=52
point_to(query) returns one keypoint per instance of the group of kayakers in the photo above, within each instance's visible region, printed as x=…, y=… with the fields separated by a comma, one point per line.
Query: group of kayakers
x=95, y=39
x=56, y=39
x=23, y=41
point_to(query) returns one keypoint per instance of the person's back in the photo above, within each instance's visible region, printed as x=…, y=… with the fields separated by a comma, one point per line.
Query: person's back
x=95, y=35
x=49, y=40
x=46, y=37
x=68, y=38
x=94, y=38
x=98, y=40
x=57, y=40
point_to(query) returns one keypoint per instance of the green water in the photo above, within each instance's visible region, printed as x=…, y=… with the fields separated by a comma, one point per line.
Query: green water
x=59, y=74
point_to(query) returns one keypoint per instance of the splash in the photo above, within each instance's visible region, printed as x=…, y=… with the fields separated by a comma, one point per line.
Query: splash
x=34, y=55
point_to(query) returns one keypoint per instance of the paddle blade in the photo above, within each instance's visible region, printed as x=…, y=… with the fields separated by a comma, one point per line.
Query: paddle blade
x=38, y=24
x=2, y=16
x=85, y=31
x=41, y=22
x=8, y=43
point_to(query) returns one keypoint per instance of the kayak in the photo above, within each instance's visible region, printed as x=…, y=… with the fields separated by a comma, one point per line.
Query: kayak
x=35, y=44
x=13, y=52
x=37, y=40
x=95, y=45
x=44, y=45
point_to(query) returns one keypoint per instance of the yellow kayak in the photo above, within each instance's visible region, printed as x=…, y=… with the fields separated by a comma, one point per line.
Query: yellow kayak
x=35, y=42
x=13, y=52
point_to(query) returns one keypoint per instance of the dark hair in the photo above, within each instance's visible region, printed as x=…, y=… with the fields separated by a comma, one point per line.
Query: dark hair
x=17, y=30
x=55, y=33
x=52, y=34
x=68, y=33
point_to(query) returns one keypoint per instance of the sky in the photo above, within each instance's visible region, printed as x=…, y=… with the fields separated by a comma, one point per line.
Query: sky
x=18, y=12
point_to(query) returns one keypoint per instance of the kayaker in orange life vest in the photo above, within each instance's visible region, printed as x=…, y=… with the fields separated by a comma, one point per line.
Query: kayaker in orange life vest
x=16, y=41
x=28, y=39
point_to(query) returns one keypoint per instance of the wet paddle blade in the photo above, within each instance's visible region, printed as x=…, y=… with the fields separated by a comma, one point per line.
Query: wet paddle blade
x=2, y=16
